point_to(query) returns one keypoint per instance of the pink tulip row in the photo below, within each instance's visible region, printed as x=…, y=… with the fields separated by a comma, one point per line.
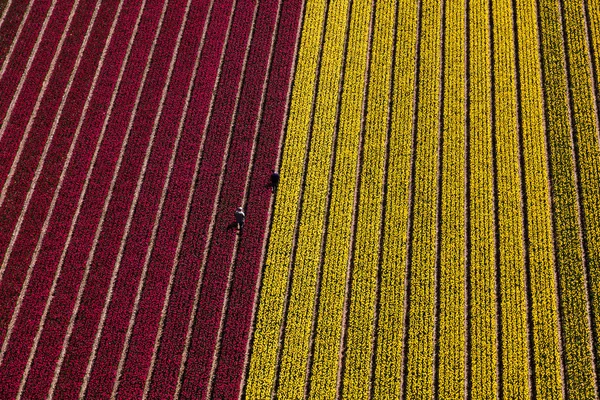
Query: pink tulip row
x=138, y=243
x=238, y=318
x=139, y=354
x=10, y=26
x=17, y=190
x=62, y=304
x=21, y=256
x=166, y=370
x=238, y=162
x=9, y=82
x=106, y=249
x=17, y=61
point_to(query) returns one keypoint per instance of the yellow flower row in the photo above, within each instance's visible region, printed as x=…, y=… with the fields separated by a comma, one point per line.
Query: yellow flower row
x=423, y=261
x=543, y=286
x=324, y=372
x=388, y=367
x=306, y=263
x=452, y=252
x=365, y=263
x=483, y=319
x=575, y=326
x=515, y=363
x=261, y=377
x=588, y=146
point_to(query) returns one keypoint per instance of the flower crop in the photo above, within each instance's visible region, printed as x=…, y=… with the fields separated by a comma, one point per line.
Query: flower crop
x=515, y=367
x=365, y=260
x=324, y=372
x=482, y=275
x=295, y=350
x=248, y=262
x=392, y=294
x=422, y=264
x=543, y=284
x=451, y=356
x=567, y=229
x=261, y=378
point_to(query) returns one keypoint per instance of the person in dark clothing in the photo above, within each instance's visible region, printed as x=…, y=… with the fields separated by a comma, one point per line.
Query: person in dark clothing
x=274, y=180
x=240, y=218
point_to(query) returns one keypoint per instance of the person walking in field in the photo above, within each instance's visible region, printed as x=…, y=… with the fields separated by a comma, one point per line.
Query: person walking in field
x=240, y=218
x=274, y=180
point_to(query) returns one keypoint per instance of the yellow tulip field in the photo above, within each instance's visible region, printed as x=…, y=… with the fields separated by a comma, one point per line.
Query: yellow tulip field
x=436, y=231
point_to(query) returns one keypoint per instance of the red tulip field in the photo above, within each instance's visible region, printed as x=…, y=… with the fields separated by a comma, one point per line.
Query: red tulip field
x=436, y=231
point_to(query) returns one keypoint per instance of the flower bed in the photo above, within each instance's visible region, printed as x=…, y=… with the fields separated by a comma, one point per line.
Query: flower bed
x=85, y=224
x=141, y=345
x=11, y=208
x=105, y=251
x=114, y=330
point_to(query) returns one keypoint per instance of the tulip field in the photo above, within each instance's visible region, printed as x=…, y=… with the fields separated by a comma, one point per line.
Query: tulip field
x=435, y=232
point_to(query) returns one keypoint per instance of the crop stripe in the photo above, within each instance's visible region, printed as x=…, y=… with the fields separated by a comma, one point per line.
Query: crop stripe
x=88, y=265
x=575, y=132
x=467, y=205
x=49, y=139
x=526, y=236
x=187, y=213
x=78, y=210
x=342, y=365
x=552, y=202
x=17, y=92
x=38, y=173
x=5, y=11
x=233, y=262
x=17, y=35
x=330, y=182
x=40, y=96
x=409, y=227
x=593, y=57
x=208, y=244
x=294, y=245
x=440, y=187
x=133, y=207
x=160, y=208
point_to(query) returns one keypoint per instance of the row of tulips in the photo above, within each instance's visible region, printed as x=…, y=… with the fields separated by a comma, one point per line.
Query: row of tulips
x=587, y=146
x=17, y=108
x=270, y=310
x=33, y=31
x=377, y=22
x=174, y=343
x=119, y=204
x=30, y=80
x=236, y=164
x=110, y=336
x=392, y=292
x=36, y=296
x=482, y=320
x=451, y=301
x=236, y=329
x=546, y=349
x=296, y=340
x=13, y=18
x=13, y=206
x=509, y=200
x=72, y=258
x=137, y=355
x=577, y=355
x=423, y=262
x=328, y=328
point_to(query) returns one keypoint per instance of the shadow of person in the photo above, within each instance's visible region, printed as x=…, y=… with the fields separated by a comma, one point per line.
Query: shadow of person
x=231, y=226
